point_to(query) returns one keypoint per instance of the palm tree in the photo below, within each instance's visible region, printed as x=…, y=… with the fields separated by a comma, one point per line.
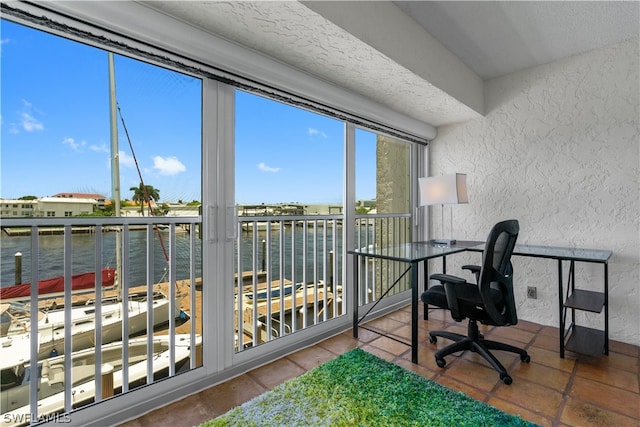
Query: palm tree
x=143, y=194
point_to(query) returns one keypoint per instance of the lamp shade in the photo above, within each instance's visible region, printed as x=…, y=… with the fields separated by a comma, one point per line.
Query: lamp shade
x=443, y=190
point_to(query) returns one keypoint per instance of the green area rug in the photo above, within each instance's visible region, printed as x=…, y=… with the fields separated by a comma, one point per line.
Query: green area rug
x=360, y=389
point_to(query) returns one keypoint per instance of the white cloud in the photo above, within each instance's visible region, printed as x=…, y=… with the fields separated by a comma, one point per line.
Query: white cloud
x=125, y=159
x=168, y=165
x=99, y=148
x=75, y=146
x=30, y=123
x=264, y=168
x=315, y=132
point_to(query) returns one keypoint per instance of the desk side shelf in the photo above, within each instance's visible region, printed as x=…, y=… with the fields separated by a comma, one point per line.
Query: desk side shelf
x=586, y=341
x=586, y=301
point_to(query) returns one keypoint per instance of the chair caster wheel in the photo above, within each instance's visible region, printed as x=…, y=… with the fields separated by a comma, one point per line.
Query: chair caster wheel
x=433, y=339
x=525, y=359
x=440, y=362
x=506, y=379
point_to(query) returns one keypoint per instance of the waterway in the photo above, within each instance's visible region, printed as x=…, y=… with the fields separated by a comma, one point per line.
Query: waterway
x=302, y=255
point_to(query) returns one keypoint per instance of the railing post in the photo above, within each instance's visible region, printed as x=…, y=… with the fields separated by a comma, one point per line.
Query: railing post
x=331, y=269
x=264, y=255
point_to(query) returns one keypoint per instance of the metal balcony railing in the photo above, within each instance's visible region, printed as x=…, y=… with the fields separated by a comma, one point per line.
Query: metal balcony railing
x=141, y=275
x=290, y=271
x=290, y=275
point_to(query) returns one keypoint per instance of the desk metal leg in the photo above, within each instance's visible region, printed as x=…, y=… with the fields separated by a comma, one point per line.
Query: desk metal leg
x=561, y=308
x=414, y=312
x=356, y=277
x=606, y=308
x=425, y=263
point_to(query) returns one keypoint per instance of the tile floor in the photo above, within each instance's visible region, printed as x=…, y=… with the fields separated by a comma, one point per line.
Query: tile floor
x=550, y=391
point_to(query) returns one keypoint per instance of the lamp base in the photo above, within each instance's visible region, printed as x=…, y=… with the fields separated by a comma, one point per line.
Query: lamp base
x=443, y=242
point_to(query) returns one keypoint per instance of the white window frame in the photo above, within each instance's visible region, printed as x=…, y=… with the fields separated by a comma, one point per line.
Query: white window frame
x=128, y=27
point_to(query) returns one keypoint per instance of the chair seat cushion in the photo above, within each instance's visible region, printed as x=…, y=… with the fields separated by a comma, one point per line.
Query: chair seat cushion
x=469, y=301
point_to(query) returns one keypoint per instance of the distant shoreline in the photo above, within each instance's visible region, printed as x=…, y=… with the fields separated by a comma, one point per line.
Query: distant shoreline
x=50, y=231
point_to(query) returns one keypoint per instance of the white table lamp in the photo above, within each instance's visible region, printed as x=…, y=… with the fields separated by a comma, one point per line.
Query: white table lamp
x=443, y=190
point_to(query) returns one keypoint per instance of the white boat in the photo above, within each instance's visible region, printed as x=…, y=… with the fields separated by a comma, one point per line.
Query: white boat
x=15, y=396
x=51, y=323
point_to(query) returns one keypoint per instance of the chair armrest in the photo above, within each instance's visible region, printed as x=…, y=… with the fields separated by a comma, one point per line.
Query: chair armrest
x=450, y=283
x=475, y=269
x=447, y=278
x=472, y=268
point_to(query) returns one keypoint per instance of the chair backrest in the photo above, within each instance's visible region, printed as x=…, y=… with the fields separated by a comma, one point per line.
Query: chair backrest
x=497, y=272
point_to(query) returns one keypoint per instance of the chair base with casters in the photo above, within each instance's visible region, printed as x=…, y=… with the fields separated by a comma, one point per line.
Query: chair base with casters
x=475, y=342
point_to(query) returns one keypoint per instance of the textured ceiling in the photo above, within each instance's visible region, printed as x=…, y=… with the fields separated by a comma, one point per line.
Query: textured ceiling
x=491, y=38
x=499, y=38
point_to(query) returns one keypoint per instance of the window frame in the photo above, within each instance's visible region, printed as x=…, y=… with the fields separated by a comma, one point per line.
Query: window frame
x=135, y=30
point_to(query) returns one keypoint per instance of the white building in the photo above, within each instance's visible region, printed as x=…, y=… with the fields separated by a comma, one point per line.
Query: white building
x=14, y=208
x=61, y=207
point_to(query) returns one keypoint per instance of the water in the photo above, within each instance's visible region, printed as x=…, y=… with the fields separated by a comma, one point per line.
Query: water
x=298, y=264
x=51, y=258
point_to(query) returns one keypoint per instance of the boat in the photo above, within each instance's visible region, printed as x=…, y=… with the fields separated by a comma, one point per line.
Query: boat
x=15, y=379
x=54, y=287
x=16, y=321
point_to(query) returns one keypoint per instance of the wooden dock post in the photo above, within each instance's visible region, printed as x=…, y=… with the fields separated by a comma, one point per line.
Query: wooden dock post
x=107, y=380
x=18, y=268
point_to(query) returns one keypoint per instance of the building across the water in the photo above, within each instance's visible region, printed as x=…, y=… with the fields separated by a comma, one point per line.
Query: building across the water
x=49, y=207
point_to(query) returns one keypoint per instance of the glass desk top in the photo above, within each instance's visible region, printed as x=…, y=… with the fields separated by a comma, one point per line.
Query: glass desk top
x=558, y=252
x=420, y=251
x=414, y=252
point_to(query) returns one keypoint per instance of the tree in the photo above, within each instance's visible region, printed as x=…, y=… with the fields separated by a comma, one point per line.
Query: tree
x=141, y=193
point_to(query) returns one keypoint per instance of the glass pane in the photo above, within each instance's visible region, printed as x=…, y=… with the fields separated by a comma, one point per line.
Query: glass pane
x=56, y=164
x=289, y=192
x=383, y=195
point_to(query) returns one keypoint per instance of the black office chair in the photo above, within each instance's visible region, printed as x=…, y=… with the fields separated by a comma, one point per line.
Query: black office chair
x=490, y=301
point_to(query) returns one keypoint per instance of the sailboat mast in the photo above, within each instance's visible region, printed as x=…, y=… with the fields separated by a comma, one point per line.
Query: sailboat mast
x=115, y=169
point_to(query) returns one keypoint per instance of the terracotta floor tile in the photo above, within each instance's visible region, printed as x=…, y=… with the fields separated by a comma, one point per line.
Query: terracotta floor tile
x=389, y=357
x=470, y=391
x=189, y=411
x=340, y=343
x=539, y=399
x=550, y=331
x=221, y=398
x=386, y=324
x=551, y=359
x=612, y=398
x=529, y=326
x=609, y=375
x=421, y=370
x=548, y=342
x=618, y=360
x=311, y=357
x=541, y=374
x=524, y=413
x=402, y=316
x=390, y=346
x=582, y=414
x=624, y=348
x=276, y=373
x=515, y=334
x=472, y=373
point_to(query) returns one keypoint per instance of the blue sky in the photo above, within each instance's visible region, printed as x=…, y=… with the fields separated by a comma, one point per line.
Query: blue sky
x=55, y=131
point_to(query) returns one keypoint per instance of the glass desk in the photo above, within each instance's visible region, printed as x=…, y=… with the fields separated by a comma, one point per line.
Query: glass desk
x=577, y=338
x=413, y=254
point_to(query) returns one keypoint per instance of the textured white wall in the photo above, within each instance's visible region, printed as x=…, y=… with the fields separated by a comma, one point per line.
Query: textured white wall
x=558, y=149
